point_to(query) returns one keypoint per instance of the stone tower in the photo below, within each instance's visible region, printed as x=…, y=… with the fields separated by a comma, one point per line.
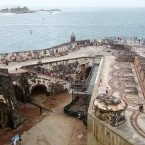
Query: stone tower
x=73, y=37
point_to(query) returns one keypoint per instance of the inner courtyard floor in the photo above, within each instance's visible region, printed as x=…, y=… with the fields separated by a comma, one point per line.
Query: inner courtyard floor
x=51, y=128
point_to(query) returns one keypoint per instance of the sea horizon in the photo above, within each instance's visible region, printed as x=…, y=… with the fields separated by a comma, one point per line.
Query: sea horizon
x=51, y=29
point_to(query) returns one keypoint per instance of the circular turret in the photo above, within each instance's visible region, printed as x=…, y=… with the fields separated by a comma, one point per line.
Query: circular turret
x=110, y=109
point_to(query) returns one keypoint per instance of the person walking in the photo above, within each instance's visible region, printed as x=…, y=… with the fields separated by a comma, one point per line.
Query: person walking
x=7, y=62
x=107, y=90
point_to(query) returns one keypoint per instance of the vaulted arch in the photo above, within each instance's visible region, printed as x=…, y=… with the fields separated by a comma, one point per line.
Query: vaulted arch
x=38, y=89
x=39, y=93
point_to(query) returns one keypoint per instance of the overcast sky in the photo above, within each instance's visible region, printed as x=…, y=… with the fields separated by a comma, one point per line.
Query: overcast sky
x=74, y=3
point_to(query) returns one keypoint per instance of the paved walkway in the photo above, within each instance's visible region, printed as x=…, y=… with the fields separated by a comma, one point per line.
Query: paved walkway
x=122, y=81
x=55, y=128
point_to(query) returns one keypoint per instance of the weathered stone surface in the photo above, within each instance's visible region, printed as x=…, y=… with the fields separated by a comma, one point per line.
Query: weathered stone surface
x=7, y=90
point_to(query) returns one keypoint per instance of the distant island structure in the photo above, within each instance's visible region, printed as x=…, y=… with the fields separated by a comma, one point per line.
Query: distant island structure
x=51, y=10
x=17, y=10
x=21, y=10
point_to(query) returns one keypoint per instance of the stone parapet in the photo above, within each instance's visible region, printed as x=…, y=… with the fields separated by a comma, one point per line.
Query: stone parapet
x=58, y=50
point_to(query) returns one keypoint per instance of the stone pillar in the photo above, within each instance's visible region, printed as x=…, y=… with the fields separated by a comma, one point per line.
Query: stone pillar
x=25, y=87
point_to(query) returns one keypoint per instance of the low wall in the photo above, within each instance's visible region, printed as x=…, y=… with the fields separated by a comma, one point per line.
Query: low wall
x=99, y=132
x=58, y=50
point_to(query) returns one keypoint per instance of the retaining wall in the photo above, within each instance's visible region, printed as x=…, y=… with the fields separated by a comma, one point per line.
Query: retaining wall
x=139, y=64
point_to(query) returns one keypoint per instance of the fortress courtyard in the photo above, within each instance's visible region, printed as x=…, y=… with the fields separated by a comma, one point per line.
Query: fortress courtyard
x=53, y=127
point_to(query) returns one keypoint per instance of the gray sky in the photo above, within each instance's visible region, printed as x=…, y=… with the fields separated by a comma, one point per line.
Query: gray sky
x=74, y=3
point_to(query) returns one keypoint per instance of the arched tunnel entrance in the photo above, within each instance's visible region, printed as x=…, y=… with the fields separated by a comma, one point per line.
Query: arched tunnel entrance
x=39, y=93
x=18, y=93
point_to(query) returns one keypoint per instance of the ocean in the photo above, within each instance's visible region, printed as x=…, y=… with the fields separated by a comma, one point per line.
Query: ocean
x=50, y=29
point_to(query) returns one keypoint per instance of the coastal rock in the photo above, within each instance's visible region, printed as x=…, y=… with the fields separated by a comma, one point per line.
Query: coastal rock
x=17, y=10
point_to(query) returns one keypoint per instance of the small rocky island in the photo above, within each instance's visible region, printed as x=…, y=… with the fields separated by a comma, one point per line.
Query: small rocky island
x=17, y=10
x=21, y=10
x=51, y=10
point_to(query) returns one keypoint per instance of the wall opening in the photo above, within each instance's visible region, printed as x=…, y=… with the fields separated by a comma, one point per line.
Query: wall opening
x=38, y=89
x=39, y=94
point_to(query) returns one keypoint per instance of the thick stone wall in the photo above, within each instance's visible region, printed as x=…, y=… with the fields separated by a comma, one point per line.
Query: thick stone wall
x=7, y=91
x=59, y=50
x=21, y=86
x=99, y=132
x=139, y=64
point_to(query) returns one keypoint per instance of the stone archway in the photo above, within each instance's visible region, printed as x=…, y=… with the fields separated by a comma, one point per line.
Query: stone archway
x=39, y=93
x=19, y=93
x=3, y=115
x=39, y=89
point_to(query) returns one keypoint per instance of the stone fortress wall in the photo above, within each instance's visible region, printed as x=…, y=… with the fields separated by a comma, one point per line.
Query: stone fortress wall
x=59, y=50
x=139, y=64
x=100, y=132
x=64, y=48
x=8, y=113
x=52, y=75
x=46, y=75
